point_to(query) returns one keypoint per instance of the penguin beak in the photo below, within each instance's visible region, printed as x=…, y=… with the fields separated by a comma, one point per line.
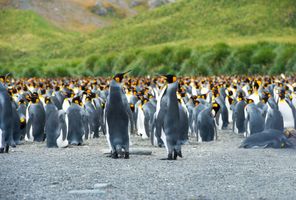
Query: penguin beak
x=126, y=72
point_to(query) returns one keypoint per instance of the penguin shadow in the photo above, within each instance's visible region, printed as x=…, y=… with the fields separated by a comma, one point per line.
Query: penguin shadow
x=70, y=146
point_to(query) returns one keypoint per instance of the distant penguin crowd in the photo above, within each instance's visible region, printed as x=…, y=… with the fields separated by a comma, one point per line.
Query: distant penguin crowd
x=165, y=110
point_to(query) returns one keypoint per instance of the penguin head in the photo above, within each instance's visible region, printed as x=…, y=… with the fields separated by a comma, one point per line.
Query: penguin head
x=215, y=108
x=118, y=77
x=250, y=91
x=144, y=100
x=196, y=102
x=265, y=96
x=170, y=78
x=230, y=93
x=249, y=101
x=132, y=107
x=150, y=96
x=88, y=91
x=215, y=92
x=34, y=99
x=282, y=94
x=22, y=102
x=77, y=100
x=47, y=100
x=2, y=79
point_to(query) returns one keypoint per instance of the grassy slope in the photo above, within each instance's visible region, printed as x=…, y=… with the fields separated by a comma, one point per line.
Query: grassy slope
x=187, y=24
x=200, y=22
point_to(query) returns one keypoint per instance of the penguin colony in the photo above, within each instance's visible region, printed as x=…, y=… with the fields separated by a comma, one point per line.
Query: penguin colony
x=165, y=110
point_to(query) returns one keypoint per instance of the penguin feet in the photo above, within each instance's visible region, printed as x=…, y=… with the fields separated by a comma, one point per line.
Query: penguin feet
x=6, y=149
x=170, y=156
x=114, y=155
x=126, y=155
x=175, y=155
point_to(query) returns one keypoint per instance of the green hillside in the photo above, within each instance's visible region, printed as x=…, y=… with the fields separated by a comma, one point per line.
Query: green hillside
x=194, y=37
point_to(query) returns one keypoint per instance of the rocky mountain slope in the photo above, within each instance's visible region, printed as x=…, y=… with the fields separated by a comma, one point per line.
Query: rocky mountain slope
x=84, y=15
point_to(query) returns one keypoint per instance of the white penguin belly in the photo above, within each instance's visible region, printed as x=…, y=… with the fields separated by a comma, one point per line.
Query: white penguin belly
x=219, y=122
x=235, y=128
x=140, y=124
x=255, y=98
x=31, y=139
x=287, y=113
x=163, y=137
x=108, y=135
x=66, y=105
x=60, y=142
x=1, y=139
x=229, y=111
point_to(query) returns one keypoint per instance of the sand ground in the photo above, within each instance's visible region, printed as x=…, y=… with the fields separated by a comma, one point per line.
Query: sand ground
x=214, y=170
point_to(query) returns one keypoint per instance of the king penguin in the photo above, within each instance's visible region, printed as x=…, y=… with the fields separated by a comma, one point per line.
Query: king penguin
x=5, y=120
x=274, y=118
x=76, y=123
x=254, y=119
x=117, y=118
x=169, y=119
x=35, y=120
x=206, y=124
x=56, y=129
x=239, y=116
x=286, y=110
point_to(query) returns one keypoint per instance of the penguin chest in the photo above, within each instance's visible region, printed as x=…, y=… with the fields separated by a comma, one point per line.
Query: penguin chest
x=66, y=105
x=140, y=124
x=229, y=111
x=255, y=98
x=60, y=142
x=1, y=139
x=287, y=114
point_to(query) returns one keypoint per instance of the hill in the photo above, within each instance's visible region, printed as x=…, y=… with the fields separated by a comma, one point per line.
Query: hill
x=195, y=37
x=83, y=15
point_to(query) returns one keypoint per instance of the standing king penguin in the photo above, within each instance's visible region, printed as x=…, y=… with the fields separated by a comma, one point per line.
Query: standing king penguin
x=168, y=117
x=5, y=120
x=117, y=115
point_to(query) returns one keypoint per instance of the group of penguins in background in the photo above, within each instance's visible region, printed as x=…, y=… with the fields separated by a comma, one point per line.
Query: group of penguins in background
x=164, y=109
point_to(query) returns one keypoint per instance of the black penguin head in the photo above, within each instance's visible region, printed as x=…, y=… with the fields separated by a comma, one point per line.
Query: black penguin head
x=265, y=97
x=215, y=92
x=77, y=100
x=196, y=102
x=150, y=96
x=250, y=91
x=132, y=107
x=34, y=99
x=47, y=100
x=170, y=78
x=90, y=96
x=22, y=101
x=249, y=101
x=215, y=107
x=4, y=78
x=282, y=94
x=118, y=77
